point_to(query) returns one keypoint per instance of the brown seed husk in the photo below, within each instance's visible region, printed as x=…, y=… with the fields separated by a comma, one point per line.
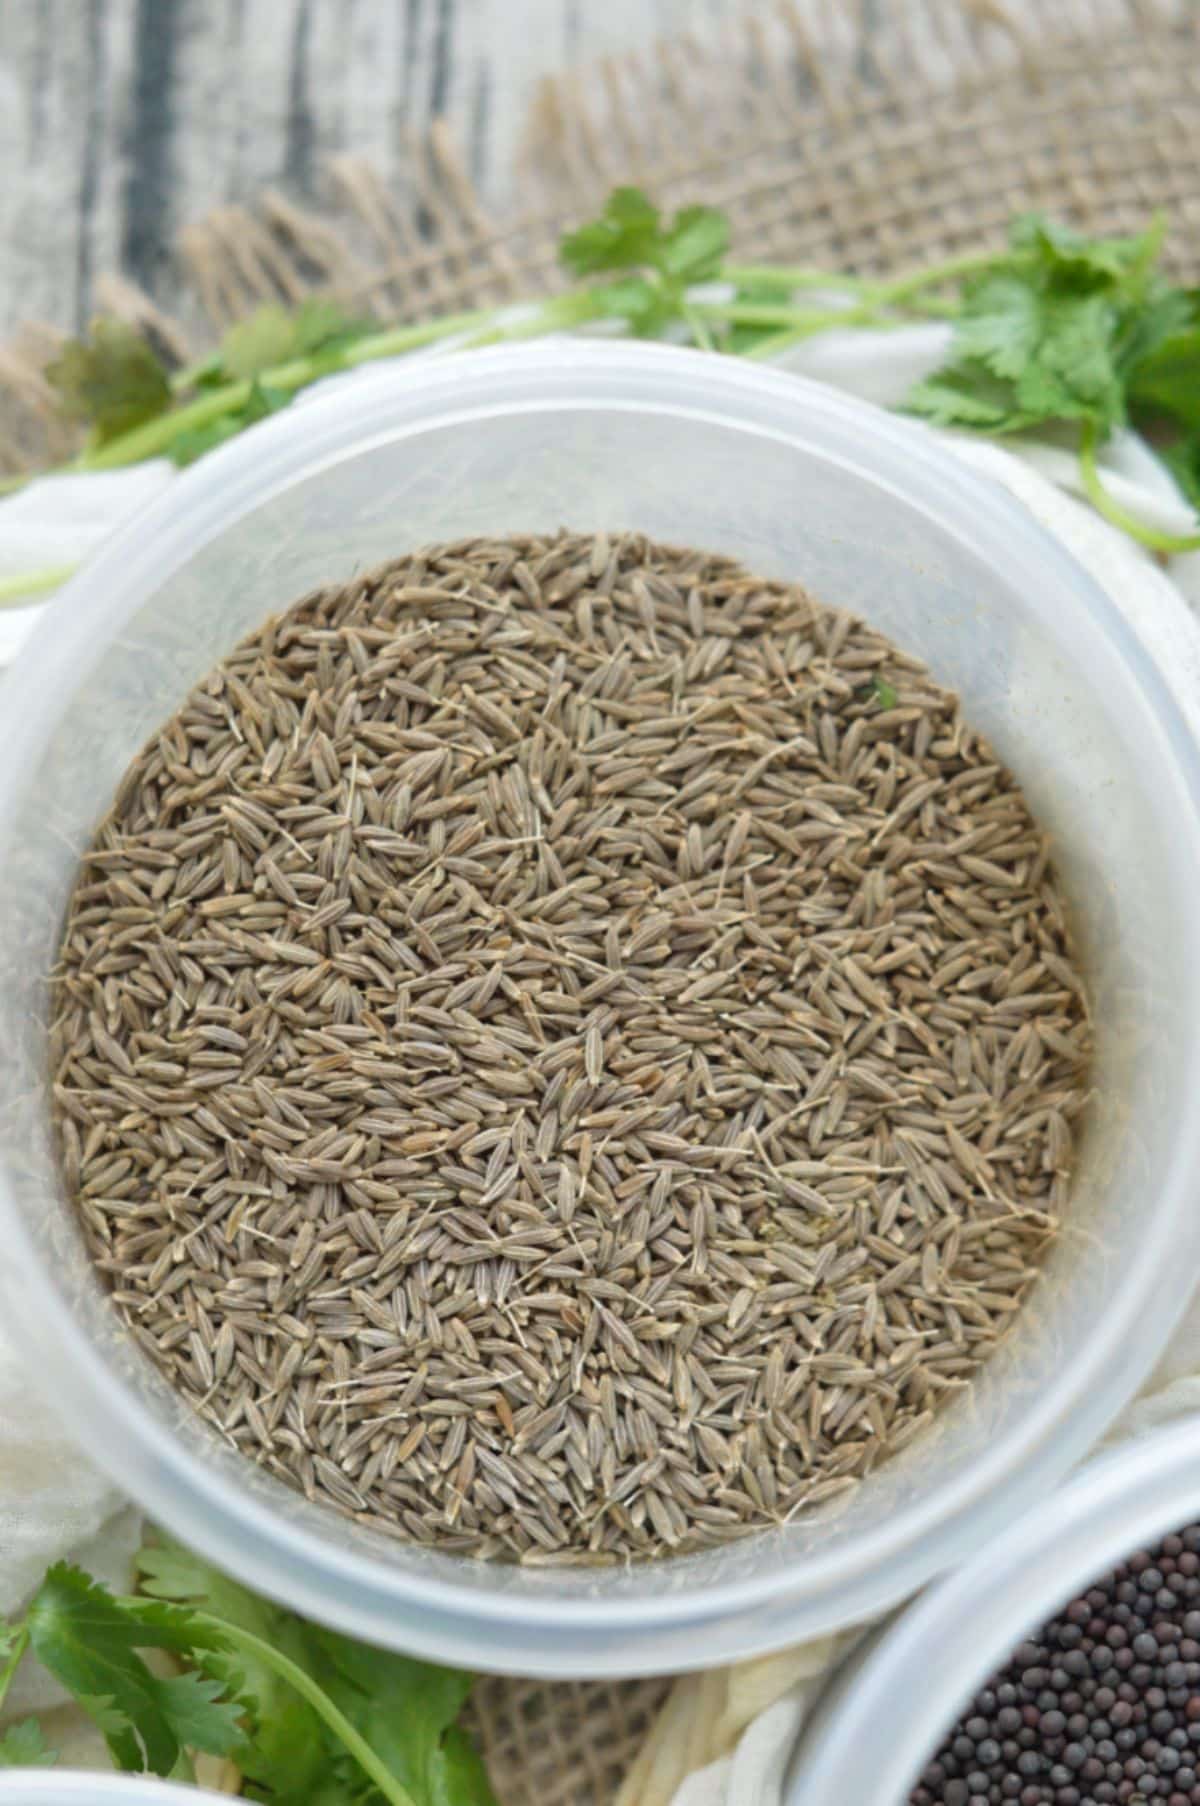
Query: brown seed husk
x=549, y=1064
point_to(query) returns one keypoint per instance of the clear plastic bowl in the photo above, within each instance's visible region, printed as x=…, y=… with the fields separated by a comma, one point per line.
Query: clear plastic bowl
x=799, y=482
x=34, y=1787
x=895, y=1699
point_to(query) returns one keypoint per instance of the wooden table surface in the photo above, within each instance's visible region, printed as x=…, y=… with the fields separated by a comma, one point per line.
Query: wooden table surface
x=122, y=120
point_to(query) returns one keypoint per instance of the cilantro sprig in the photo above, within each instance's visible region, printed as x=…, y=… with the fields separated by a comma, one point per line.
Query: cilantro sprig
x=1064, y=331
x=660, y=260
x=305, y=1714
x=1054, y=333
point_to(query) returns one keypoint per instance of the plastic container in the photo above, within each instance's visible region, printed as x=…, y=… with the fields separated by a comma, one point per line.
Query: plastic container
x=893, y=1702
x=48, y=1787
x=799, y=482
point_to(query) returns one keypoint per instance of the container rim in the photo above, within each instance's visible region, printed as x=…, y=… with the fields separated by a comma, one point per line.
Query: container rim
x=79, y=1787
x=877, y=1730
x=433, y=1615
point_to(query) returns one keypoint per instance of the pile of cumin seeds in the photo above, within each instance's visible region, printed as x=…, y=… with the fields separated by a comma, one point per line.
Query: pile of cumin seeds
x=565, y=1049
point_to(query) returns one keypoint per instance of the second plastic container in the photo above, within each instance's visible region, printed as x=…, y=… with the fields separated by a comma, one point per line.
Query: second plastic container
x=888, y=1710
x=800, y=483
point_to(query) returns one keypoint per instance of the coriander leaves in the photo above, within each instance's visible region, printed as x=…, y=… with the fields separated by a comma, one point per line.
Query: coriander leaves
x=1070, y=332
x=402, y=1713
x=305, y=1714
x=23, y=1746
x=91, y=1643
x=1046, y=333
x=662, y=258
x=1056, y=332
x=112, y=380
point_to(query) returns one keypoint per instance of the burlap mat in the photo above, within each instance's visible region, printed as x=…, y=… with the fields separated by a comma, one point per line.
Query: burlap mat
x=841, y=133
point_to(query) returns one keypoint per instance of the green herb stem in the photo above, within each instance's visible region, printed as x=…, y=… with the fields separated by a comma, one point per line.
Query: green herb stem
x=19, y=1646
x=785, y=278
x=882, y=293
x=804, y=320
x=937, y=275
x=321, y=1703
x=698, y=326
x=808, y=325
x=308, y=1688
x=1112, y=510
x=157, y=436
x=574, y=309
x=34, y=583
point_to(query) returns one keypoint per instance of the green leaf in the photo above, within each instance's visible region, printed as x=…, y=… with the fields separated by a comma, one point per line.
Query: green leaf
x=263, y=400
x=885, y=695
x=661, y=258
x=1167, y=314
x=89, y=1642
x=286, y=1749
x=256, y=343
x=112, y=379
x=1049, y=334
x=407, y=1710
x=624, y=236
x=1183, y=461
x=23, y=1746
x=694, y=244
x=967, y=394
x=1001, y=325
x=464, y=1778
x=1167, y=379
x=639, y=301
x=273, y=335
x=1071, y=372
x=1071, y=254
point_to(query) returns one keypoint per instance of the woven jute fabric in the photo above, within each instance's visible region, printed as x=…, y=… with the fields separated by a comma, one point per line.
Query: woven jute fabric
x=842, y=134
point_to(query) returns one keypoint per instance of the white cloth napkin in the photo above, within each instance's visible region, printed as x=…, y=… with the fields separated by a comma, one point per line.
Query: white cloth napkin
x=723, y=1737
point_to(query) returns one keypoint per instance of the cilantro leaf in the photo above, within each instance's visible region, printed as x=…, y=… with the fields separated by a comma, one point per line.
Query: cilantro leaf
x=112, y=380
x=406, y=1710
x=286, y=1750
x=625, y=235
x=23, y=1746
x=1156, y=329
x=966, y=394
x=1049, y=333
x=1002, y=321
x=1071, y=370
x=263, y=400
x=464, y=1779
x=694, y=243
x=1183, y=460
x=659, y=258
x=1066, y=252
x=274, y=335
x=89, y=1641
x=255, y=343
x=1167, y=379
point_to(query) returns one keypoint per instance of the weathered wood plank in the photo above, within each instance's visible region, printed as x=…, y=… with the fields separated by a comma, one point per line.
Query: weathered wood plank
x=121, y=120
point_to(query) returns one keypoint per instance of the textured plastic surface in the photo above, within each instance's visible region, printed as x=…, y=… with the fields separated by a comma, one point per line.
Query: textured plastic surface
x=890, y=1706
x=873, y=516
x=27, y=1787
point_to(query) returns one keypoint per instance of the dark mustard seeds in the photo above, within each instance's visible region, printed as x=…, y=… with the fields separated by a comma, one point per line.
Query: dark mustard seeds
x=1101, y=1707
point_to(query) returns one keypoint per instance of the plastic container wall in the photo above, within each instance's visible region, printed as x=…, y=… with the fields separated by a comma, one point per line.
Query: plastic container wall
x=33, y=1787
x=800, y=483
x=891, y=1705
